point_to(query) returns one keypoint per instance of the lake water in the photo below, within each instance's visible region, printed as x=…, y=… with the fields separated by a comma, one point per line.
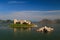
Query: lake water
x=7, y=33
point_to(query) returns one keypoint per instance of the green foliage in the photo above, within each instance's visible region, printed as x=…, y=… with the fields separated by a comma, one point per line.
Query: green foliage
x=21, y=25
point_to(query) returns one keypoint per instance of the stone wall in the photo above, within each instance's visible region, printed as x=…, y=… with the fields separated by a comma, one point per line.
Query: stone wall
x=22, y=21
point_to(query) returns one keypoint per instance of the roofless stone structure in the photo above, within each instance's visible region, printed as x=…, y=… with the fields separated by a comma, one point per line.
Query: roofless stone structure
x=21, y=21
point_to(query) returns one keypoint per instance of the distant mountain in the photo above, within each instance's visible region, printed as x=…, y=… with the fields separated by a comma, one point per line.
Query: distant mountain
x=48, y=21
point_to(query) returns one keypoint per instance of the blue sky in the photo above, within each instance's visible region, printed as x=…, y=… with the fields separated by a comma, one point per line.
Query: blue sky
x=34, y=10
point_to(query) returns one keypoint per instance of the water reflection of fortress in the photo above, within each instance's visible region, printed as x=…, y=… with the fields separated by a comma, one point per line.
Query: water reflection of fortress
x=20, y=30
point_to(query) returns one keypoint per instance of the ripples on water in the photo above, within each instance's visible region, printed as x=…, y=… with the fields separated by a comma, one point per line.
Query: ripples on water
x=7, y=33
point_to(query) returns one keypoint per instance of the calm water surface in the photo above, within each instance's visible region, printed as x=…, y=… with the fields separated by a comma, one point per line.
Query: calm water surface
x=7, y=33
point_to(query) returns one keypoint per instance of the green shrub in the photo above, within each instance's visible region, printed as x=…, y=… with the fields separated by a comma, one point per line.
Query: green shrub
x=21, y=25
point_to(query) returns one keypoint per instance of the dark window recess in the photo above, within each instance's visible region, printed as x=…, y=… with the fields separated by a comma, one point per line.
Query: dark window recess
x=25, y=23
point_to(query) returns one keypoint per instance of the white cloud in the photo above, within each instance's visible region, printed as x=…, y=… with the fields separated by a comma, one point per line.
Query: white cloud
x=32, y=15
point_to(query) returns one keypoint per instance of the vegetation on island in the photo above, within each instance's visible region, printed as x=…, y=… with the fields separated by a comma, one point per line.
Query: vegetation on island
x=22, y=25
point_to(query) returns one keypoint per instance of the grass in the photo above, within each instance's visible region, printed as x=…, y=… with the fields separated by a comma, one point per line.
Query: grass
x=21, y=25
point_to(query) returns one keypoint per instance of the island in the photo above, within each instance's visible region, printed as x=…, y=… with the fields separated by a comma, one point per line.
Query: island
x=22, y=24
